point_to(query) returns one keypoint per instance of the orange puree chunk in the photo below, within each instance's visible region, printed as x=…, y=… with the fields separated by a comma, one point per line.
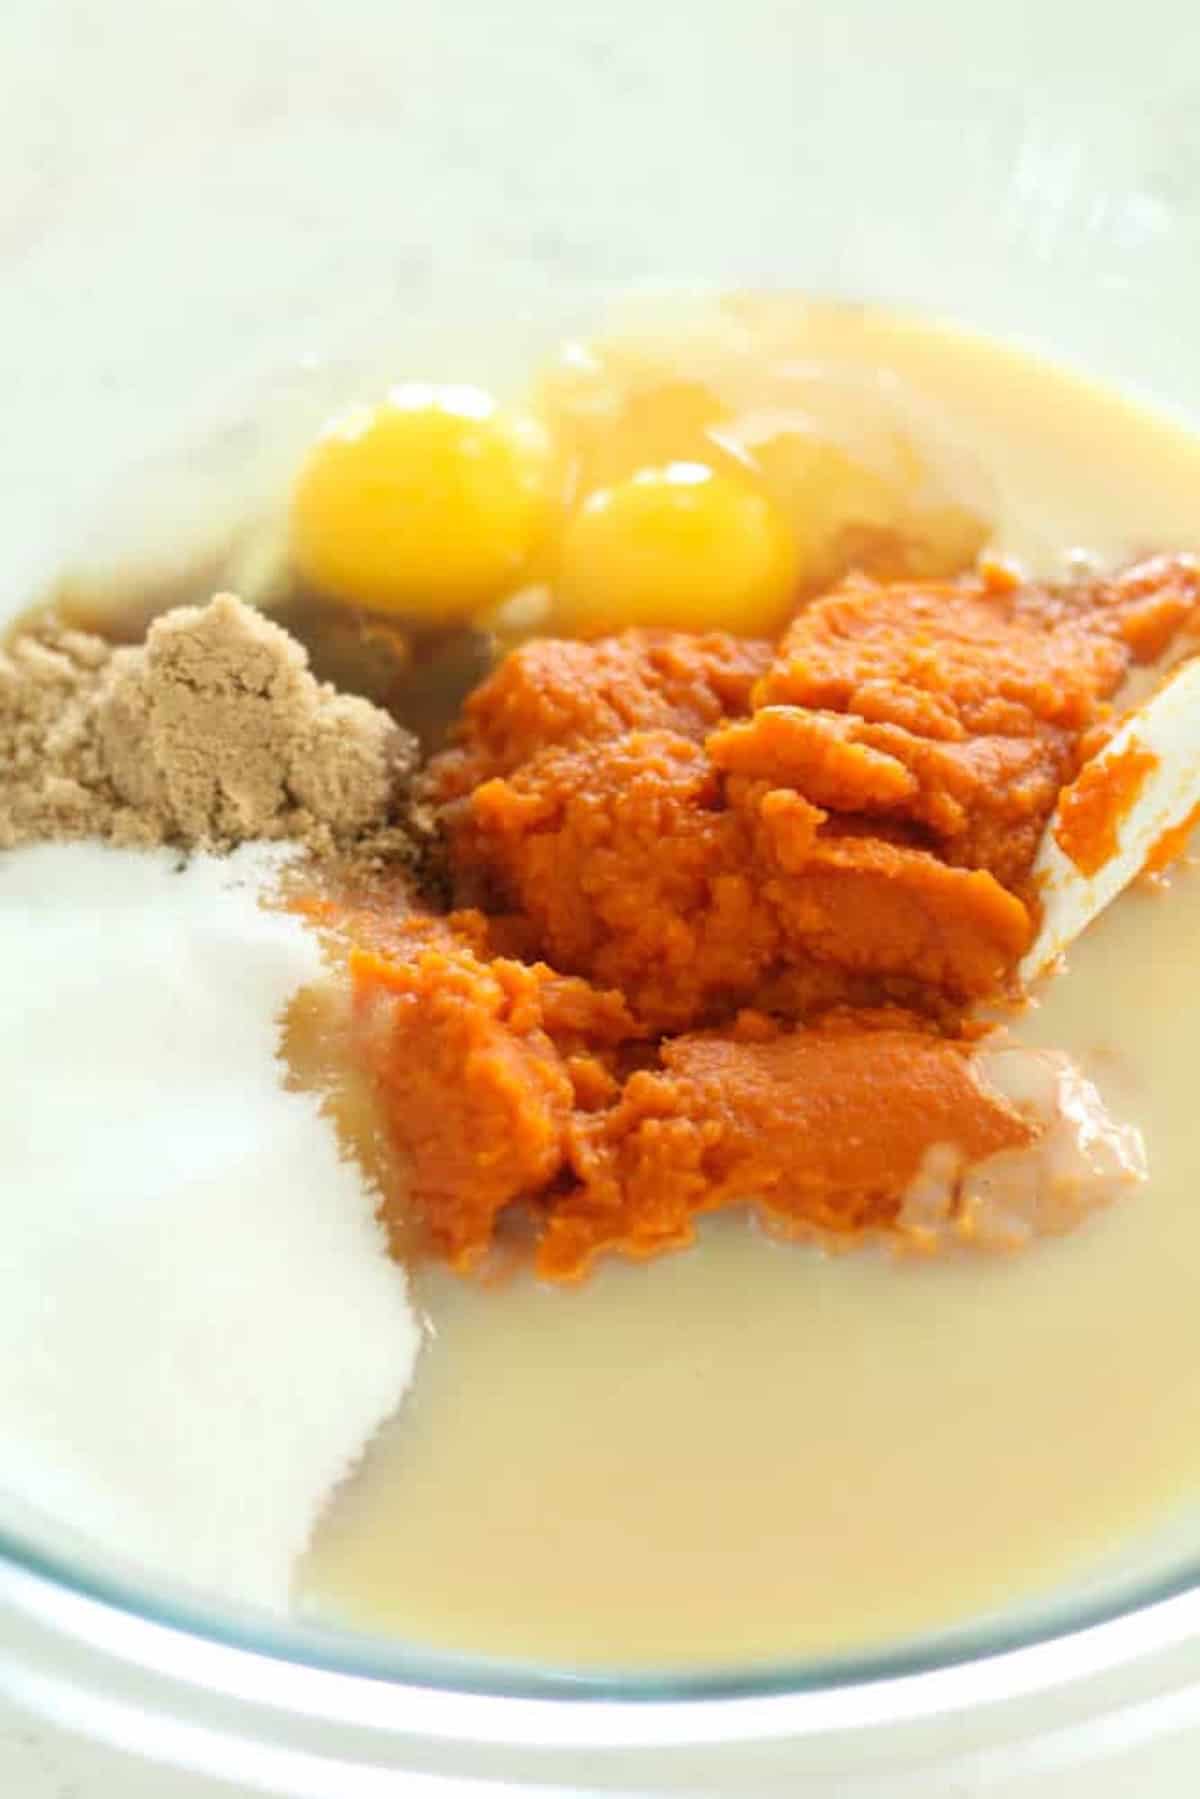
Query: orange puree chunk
x=639, y=870
x=1094, y=806
x=502, y=1082
x=1171, y=845
x=558, y=692
x=477, y=1096
x=732, y=902
x=829, y=756
x=971, y=658
x=474, y=1087
x=873, y=806
x=824, y=1127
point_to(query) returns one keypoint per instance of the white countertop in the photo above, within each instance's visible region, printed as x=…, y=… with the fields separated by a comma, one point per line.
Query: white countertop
x=41, y=1763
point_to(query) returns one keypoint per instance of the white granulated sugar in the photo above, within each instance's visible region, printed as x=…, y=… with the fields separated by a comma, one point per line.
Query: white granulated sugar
x=200, y=1328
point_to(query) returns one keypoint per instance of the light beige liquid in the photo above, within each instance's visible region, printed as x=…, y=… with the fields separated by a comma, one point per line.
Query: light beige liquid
x=752, y=1450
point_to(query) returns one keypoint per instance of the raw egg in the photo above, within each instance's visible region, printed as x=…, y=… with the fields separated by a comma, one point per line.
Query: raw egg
x=682, y=546
x=428, y=505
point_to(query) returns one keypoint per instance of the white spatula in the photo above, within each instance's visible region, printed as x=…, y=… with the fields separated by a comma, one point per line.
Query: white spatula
x=1168, y=726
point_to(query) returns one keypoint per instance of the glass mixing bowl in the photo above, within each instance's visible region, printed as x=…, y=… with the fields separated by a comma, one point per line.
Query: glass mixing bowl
x=200, y=196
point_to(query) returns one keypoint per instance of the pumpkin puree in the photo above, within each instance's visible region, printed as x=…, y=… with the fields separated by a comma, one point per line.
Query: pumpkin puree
x=1171, y=845
x=724, y=905
x=1095, y=806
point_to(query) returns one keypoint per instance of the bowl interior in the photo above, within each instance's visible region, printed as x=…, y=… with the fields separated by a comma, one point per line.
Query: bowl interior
x=203, y=251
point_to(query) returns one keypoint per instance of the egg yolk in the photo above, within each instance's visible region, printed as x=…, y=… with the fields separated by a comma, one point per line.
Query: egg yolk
x=428, y=506
x=683, y=546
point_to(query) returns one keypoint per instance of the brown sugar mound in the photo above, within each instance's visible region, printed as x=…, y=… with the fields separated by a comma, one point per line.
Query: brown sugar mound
x=212, y=732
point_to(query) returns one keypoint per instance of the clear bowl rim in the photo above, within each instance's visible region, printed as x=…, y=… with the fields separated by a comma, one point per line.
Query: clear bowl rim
x=1066, y=1639
x=1107, y=1628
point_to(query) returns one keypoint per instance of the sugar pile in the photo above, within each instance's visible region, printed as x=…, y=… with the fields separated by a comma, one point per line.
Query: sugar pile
x=213, y=732
x=200, y=1328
